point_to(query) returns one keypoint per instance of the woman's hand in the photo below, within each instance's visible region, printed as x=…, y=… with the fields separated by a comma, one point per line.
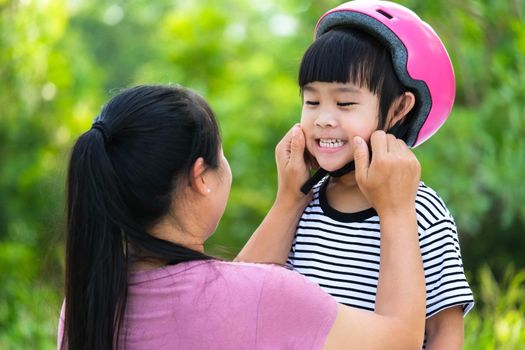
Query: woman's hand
x=390, y=181
x=272, y=240
x=292, y=169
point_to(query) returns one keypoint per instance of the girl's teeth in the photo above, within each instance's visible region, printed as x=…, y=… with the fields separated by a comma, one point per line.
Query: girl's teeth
x=331, y=143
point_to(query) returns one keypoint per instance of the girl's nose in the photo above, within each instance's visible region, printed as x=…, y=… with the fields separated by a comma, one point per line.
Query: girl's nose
x=325, y=119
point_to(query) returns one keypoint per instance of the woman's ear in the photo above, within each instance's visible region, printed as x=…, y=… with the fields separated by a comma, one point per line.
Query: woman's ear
x=400, y=108
x=197, y=179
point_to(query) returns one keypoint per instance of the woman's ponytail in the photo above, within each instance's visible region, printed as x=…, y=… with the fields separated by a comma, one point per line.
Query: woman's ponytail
x=96, y=263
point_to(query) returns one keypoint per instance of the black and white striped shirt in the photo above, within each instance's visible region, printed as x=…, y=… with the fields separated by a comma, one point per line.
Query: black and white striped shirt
x=340, y=252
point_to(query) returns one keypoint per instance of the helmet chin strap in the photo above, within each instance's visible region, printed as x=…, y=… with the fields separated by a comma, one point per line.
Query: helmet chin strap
x=398, y=130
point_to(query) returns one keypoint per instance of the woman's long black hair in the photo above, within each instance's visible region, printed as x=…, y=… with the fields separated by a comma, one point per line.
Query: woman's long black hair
x=122, y=178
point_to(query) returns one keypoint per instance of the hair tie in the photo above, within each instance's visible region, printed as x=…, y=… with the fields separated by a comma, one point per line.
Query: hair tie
x=99, y=125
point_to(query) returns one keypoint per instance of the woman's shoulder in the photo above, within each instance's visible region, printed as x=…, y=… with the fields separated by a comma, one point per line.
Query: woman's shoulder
x=272, y=297
x=258, y=280
x=289, y=308
x=264, y=272
x=272, y=279
x=225, y=271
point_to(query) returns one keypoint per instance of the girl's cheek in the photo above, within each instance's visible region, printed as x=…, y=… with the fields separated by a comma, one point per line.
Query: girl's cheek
x=307, y=117
x=303, y=115
x=304, y=120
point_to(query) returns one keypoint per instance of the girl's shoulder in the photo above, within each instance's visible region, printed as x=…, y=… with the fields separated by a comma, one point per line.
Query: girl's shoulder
x=432, y=212
x=428, y=198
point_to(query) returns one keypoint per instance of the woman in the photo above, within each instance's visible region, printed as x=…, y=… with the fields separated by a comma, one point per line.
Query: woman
x=148, y=184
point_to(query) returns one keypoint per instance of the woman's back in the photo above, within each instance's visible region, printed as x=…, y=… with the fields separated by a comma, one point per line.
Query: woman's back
x=220, y=305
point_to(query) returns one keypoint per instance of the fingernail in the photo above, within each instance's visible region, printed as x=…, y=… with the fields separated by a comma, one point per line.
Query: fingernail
x=358, y=140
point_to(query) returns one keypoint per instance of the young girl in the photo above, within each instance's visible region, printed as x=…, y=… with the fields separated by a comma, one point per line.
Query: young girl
x=374, y=65
x=148, y=184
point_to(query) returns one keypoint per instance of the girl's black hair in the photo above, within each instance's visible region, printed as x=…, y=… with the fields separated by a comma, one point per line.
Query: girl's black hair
x=348, y=55
x=122, y=178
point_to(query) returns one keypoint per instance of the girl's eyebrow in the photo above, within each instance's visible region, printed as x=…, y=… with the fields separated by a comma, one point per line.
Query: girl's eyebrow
x=346, y=89
x=309, y=88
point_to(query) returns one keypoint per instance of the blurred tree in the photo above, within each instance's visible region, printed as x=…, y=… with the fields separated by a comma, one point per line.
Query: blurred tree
x=48, y=86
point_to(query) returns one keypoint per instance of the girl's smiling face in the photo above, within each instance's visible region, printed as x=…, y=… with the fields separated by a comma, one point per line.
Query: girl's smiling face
x=332, y=114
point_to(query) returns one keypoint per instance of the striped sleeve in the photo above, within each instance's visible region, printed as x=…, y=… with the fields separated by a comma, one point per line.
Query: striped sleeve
x=446, y=284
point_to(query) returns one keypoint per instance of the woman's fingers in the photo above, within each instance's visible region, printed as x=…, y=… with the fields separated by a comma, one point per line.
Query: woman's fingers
x=392, y=177
x=297, y=146
x=361, y=159
x=392, y=143
x=283, y=147
x=378, y=143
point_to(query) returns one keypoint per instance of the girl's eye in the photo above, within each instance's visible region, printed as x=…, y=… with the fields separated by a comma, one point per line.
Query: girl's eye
x=345, y=104
x=311, y=103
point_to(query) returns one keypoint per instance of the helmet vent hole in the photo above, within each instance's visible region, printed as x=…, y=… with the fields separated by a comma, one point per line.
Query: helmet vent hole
x=386, y=14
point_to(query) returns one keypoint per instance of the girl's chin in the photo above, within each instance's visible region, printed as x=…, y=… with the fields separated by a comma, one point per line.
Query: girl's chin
x=331, y=162
x=331, y=166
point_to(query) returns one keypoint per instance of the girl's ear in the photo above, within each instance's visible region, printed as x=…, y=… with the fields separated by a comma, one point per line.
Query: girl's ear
x=197, y=179
x=400, y=108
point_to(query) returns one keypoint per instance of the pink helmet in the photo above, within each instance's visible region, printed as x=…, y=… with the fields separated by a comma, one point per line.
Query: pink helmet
x=420, y=60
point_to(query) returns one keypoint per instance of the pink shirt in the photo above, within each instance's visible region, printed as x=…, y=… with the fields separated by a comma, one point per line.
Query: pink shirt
x=223, y=305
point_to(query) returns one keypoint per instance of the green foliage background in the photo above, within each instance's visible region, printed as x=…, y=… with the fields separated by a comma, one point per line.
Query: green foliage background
x=61, y=60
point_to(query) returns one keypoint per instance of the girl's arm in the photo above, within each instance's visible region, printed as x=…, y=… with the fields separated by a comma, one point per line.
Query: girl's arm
x=272, y=240
x=390, y=184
